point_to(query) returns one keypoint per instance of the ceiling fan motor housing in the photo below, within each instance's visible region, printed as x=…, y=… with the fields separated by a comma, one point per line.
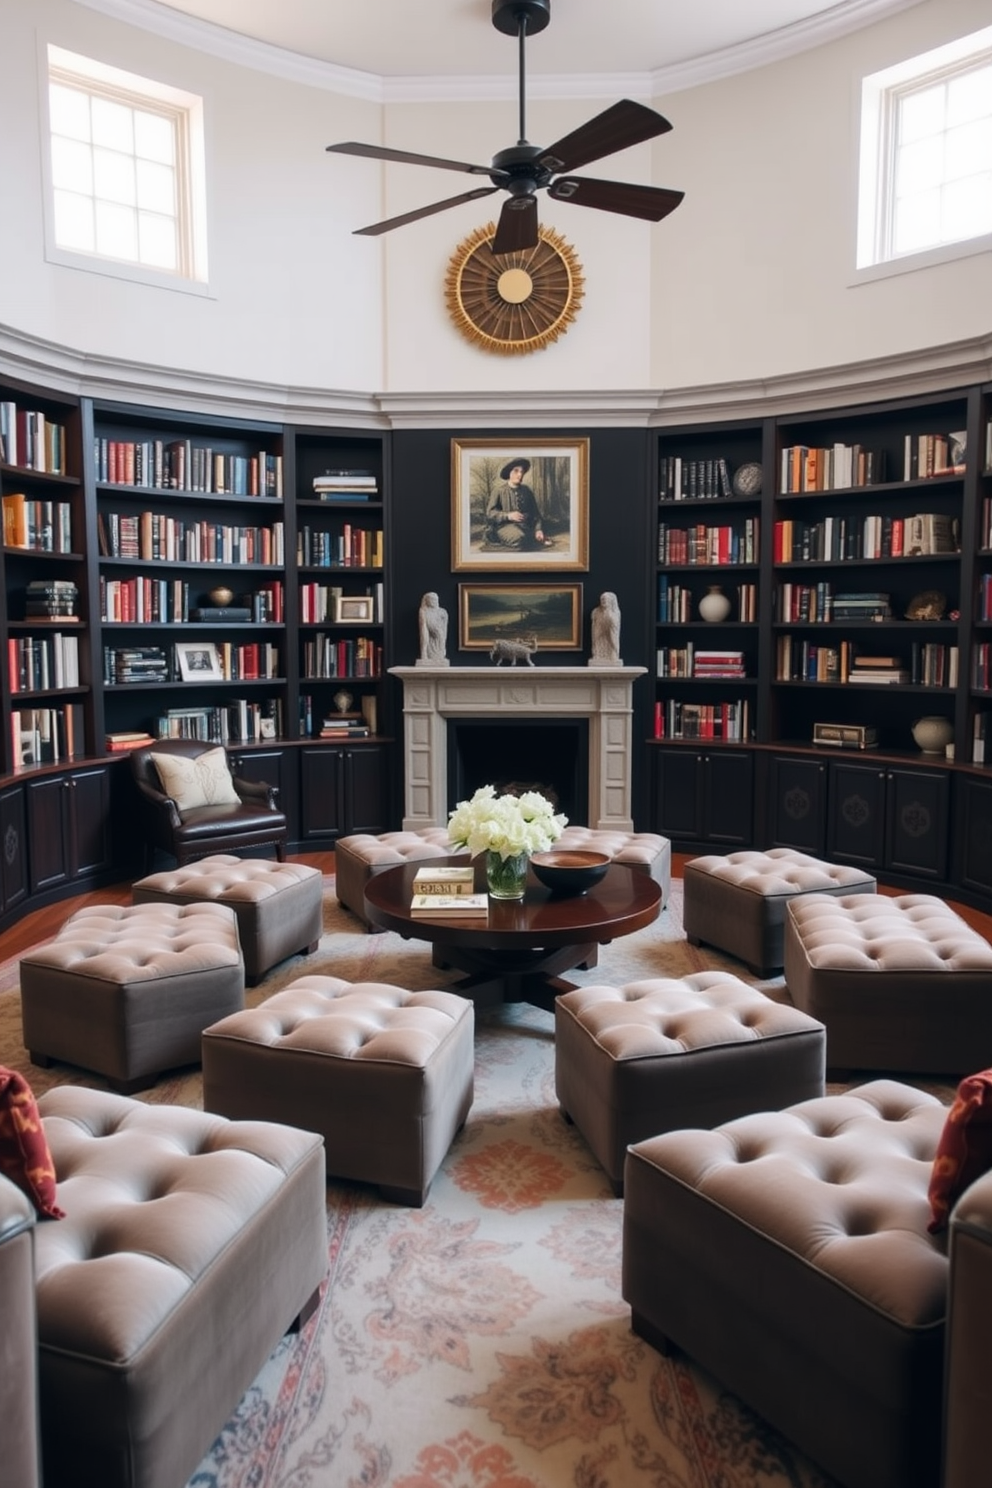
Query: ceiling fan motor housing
x=507, y=15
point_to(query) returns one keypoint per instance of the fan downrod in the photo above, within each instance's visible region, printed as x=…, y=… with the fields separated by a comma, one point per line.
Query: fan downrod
x=507, y=15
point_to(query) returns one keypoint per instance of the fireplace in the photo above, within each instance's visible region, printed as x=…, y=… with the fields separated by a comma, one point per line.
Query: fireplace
x=597, y=698
x=547, y=755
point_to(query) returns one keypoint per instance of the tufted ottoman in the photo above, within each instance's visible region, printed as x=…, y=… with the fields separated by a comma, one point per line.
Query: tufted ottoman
x=737, y=901
x=279, y=905
x=637, y=1060
x=385, y=1075
x=788, y=1253
x=358, y=857
x=127, y=990
x=901, y=983
x=189, y=1247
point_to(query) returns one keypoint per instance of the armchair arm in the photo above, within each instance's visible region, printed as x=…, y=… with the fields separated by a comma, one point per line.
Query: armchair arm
x=257, y=790
x=160, y=802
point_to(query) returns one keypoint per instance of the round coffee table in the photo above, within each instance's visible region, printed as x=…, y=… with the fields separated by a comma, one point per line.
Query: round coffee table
x=516, y=952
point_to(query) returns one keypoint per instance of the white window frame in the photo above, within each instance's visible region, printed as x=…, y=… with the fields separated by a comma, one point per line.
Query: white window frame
x=880, y=94
x=187, y=113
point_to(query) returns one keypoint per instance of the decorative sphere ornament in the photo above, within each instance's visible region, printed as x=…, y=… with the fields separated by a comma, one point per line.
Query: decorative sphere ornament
x=714, y=604
x=221, y=597
x=933, y=734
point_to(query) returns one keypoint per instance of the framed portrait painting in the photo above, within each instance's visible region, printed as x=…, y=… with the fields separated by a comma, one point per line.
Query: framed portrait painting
x=522, y=505
x=199, y=661
x=548, y=616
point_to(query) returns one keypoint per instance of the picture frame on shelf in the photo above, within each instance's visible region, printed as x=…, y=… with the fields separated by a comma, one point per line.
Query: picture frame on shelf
x=520, y=505
x=354, y=609
x=199, y=661
x=548, y=615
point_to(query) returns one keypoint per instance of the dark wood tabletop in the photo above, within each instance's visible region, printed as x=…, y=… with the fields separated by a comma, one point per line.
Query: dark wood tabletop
x=515, y=952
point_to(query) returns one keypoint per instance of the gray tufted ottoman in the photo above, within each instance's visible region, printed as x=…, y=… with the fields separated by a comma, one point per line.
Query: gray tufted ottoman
x=788, y=1253
x=901, y=983
x=279, y=906
x=127, y=990
x=737, y=901
x=671, y=1052
x=189, y=1247
x=385, y=1075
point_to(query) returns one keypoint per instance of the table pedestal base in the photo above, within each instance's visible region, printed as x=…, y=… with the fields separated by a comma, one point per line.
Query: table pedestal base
x=515, y=975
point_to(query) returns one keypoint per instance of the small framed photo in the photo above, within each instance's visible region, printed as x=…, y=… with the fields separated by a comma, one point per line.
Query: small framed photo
x=548, y=616
x=199, y=661
x=354, y=609
x=520, y=506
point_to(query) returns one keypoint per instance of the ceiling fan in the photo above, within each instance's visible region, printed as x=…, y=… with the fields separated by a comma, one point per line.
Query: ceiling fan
x=524, y=169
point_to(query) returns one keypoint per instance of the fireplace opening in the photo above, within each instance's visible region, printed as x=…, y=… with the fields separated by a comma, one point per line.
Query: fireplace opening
x=513, y=754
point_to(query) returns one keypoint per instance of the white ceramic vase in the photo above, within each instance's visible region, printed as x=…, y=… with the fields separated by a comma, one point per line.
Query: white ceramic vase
x=933, y=734
x=714, y=604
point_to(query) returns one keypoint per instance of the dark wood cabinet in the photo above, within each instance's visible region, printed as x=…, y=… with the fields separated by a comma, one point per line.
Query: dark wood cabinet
x=342, y=790
x=974, y=815
x=797, y=796
x=13, y=850
x=275, y=767
x=918, y=809
x=856, y=827
x=68, y=818
x=704, y=796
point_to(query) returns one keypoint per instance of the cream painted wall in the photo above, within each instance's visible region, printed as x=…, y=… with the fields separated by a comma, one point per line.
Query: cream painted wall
x=751, y=278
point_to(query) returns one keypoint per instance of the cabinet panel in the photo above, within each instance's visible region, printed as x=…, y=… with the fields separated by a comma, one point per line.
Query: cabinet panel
x=798, y=804
x=975, y=817
x=678, y=800
x=918, y=813
x=277, y=768
x=13, y=855
x=729, y=797
x=341, y=791
x=69, y=827
x=89, y=821
x=48, y=829
x=705, y=796
x=364, y=790
x=856, y=826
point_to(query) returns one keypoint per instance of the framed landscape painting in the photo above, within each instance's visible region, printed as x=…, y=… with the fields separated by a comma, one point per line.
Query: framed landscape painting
x=546, y=615
x=521, y=505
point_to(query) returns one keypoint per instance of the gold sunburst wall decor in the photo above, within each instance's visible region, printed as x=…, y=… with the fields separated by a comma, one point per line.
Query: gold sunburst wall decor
x=519, y=301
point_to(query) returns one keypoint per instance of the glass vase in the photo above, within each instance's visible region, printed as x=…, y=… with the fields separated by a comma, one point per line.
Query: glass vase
x=506, y=877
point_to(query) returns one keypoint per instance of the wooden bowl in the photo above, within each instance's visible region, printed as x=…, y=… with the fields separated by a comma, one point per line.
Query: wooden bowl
x=569, y=870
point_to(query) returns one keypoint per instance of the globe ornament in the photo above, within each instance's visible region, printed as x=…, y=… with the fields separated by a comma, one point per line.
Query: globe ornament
x=516, y=302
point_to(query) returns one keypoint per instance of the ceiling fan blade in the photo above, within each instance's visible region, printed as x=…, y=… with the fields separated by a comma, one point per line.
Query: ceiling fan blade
x=624, y=123
x=649, y=202
x=404, y=157
x=517, y=227
x=405, y=217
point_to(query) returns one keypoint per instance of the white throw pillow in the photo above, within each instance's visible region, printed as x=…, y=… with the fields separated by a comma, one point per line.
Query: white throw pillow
x=204, y=781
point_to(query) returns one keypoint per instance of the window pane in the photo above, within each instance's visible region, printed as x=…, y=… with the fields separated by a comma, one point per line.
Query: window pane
x=72, y=165
x=920, y=166
x=969, y=148
x=74, y=227
x=113, y=125
x=154, y=138
x=968, y=208
x=113, y=176
x=156, y=188
x=968, y=96
x=916, y=222
x=116, y=232
x=69, y=111
x=921, y=114
x=157, y=237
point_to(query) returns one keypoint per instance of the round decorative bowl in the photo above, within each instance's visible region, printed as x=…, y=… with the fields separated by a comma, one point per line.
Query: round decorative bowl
x=221, y=596
x=569, y=870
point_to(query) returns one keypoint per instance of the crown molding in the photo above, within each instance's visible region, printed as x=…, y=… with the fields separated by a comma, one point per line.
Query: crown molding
x=932, y=369
x=173, y=25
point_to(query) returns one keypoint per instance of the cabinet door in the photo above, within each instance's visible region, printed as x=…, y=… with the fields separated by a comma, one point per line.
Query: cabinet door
x=321, y=773
x=364, y=783
x=48, y=833
x=798, y=804
x=678, y=794
x=919, y=803
x=13, y=857
x=88, y=801
x=975, y=820
x=856, y=824
x=729, y=796
x=275, y=767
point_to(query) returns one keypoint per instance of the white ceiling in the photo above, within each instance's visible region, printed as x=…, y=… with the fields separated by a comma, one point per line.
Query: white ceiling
x=446, y=39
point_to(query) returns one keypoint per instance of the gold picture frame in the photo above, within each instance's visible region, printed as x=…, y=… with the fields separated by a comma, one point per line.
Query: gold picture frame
x=549, y=528
x=354, y=609
x=546, y=615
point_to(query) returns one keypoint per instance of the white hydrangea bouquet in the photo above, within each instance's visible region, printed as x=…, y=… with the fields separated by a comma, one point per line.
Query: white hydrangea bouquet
x=508, y=829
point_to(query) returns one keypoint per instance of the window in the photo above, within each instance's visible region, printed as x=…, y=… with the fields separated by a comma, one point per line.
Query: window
x=926, y=153
x=126, y=169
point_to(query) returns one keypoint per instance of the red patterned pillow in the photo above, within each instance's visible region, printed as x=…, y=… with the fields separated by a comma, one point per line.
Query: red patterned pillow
x=964, y=1151
x=24, y=1155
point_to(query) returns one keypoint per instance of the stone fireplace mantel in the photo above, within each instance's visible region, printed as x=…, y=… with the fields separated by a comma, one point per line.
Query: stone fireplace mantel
x=433, y=695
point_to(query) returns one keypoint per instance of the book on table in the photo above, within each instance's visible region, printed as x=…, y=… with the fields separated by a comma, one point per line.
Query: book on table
x=444, y=881
x=449, y=904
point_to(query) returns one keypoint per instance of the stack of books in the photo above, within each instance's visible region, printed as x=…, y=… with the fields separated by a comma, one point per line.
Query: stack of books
x=447, y=891
x=51, y=600
x=718, y=664
x=346, y=485
x=134, y=739
x=345, y=726
x=878, y=669
x=124, y=665
x=867, y=606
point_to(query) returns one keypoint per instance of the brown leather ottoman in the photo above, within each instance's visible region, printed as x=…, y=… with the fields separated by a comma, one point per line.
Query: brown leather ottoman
x=385, y=1075
x=127, y=990
x=736, y=901
x=358, y=857
x=901, y=983
x=279, y=905
x=190, y=1245
x=634, y=1061
x=788, y=1253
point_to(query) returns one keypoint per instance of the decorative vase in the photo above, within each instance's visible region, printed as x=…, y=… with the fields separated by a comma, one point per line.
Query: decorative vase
x=506, y=877
x=933, y=734
x=714, y=604
x=221, y=597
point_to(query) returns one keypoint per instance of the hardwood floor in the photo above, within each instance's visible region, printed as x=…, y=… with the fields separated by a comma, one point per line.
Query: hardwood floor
x=41, y=924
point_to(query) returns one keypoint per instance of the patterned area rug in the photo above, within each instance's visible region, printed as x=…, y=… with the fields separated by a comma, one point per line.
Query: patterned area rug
x=482, y=1341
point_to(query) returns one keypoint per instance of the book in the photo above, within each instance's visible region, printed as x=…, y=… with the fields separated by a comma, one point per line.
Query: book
x=449, y=904
x=220, y=613
x=442, y=881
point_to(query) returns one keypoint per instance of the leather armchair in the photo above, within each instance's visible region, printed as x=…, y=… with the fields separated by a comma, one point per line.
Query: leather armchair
x=254, y=821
